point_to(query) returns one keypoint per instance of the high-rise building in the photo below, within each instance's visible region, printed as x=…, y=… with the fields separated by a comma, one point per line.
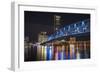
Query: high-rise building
x=42, y=37
x=57, y=22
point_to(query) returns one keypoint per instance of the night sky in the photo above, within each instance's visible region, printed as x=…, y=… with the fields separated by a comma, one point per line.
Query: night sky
x=36, y=22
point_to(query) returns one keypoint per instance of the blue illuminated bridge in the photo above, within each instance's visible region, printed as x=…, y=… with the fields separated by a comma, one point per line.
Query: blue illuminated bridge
x=80, y=28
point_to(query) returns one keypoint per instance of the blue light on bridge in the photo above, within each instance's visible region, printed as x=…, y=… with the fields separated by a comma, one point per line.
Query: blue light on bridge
x=72, y=29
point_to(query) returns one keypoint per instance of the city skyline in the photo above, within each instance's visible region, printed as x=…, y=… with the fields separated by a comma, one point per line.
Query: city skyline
x=56, y=36
x=44, y=21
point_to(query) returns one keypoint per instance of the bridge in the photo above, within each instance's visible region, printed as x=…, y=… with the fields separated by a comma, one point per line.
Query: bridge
x=80, y=28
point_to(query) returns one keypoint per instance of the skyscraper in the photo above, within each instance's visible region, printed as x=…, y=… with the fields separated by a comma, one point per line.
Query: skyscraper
x=42, y=37
x=57, y=22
